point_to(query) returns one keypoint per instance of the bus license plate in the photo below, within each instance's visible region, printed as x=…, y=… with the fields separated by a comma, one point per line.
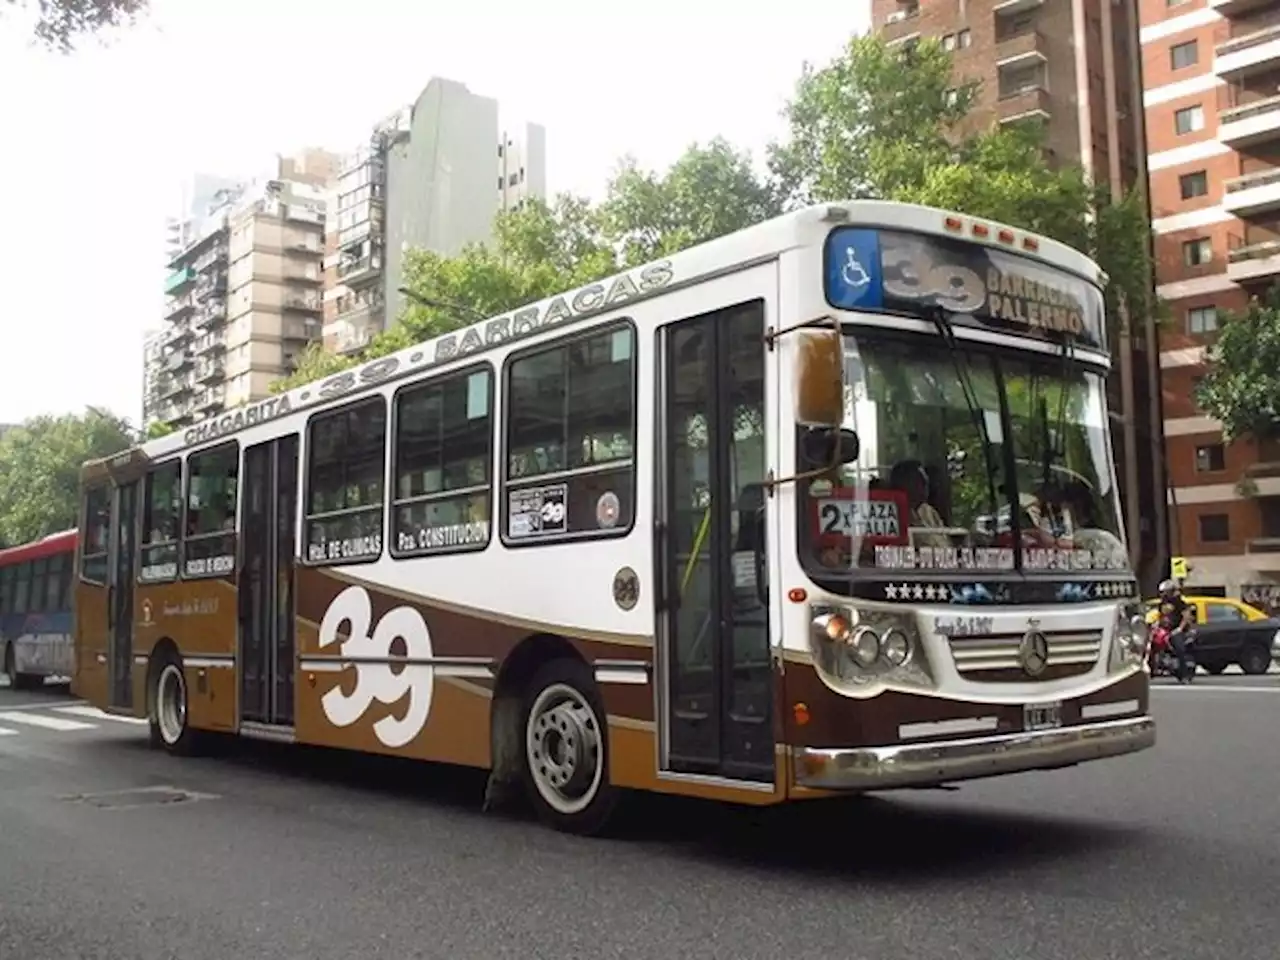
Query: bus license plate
x=1042, y=716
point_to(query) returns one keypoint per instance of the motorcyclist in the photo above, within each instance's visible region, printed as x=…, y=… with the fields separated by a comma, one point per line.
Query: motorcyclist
x=1177, y=617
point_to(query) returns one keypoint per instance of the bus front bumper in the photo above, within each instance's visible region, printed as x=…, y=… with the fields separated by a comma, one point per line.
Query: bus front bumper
x=939, y=762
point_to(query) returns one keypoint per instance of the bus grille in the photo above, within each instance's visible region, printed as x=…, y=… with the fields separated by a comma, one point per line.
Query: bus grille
x=994, y=658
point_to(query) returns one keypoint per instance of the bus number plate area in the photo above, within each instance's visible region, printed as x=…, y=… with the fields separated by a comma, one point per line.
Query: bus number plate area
x=1042, y=716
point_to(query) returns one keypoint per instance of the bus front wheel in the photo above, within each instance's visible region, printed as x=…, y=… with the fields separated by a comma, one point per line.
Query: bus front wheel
x=566, y=749
x=168, y=715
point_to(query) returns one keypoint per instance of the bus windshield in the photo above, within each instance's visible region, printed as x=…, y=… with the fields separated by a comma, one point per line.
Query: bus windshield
x=954, y=442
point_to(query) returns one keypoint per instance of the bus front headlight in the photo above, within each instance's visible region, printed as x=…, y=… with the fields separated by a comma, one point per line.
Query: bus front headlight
x=860, y=649
x=1129, y=637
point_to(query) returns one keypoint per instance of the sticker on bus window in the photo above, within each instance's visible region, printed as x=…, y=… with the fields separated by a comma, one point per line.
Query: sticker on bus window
x=538, y=511
x=869, y=516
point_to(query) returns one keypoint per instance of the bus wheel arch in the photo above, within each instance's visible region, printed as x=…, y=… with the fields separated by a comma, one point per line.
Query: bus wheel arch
x=506, y=720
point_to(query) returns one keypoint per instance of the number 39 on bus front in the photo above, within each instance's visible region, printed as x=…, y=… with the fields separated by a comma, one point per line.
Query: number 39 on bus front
x=827, y=505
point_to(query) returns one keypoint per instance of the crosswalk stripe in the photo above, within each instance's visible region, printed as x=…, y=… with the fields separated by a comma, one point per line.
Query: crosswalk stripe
x=39, y=720
x=7, y=733
x=94, y=713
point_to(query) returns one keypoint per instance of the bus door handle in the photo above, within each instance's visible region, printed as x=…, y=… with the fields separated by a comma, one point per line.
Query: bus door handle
x=111, y=605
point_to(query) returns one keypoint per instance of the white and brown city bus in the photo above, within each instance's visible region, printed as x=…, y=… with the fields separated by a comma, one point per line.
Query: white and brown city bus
x=827, y=505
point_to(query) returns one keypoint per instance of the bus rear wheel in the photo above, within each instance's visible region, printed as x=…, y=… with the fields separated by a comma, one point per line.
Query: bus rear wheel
x=566, y=749
x=168, y=714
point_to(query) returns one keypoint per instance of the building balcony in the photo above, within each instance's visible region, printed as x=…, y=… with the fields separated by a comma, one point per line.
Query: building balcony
x=176, y=307
x=1024, y=103
x=1250, y=123
x=303, y=213
x=1252, y=193
x=1020, y=50
x=210, y=370
x=303, y=330
x=1257, y=51
x=1011, y=8
x=178, y=360
x=1268, y=462
x=1235, y=8
x=305, y=245
x=179, y=279
x=1253, y=261
x=360, y=270
x=310, y=303
x=173, y=387
x=211, y=400
x=211, y=258
x=211, y=312
x=209, y=345
x=302, y=273
x=211, y=285
x=175, y=333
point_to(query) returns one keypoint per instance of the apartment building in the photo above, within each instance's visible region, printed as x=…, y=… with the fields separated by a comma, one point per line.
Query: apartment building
x=425, y=179
x=152, y=372
x=1073, y=66
x=243, y=293
x=1212, y=70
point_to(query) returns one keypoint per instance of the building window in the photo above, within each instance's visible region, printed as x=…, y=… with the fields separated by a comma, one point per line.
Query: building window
x=569, y=460
x=161, y=523
x=949, y=42
x=443, y=450
x=1197, y=252
x=209, y=547
x=1210, y=458
x=964, y=39
x=1202, y=319
x=1214, y=528
x=950, y=97
x=1194, y=184
x=1182, y=55
x=1189, y=120
x=346, y=452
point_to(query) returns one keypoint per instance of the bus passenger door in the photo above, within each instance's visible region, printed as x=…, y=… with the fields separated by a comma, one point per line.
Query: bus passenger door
x=713, y=626
x=265, y=587
x=122, y=577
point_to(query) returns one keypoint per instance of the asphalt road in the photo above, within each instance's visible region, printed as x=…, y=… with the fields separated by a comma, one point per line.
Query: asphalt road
x=282, y=853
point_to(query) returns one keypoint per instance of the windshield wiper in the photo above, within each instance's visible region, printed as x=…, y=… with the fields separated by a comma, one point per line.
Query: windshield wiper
x=942, y=320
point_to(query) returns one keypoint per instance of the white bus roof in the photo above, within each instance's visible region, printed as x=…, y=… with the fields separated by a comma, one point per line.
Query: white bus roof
x=757, y=244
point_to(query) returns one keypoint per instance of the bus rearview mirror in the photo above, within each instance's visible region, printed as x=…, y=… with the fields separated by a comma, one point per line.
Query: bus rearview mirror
x=819, y=378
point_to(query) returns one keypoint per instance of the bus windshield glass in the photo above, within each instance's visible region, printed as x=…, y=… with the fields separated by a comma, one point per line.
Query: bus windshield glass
x=932, y=490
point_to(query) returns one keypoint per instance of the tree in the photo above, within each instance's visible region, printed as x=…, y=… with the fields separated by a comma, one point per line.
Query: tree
x=883, y=122
x=707, y=193
x=60, y=24
x=158, y=428
x=40, y=463
x=1242, y=385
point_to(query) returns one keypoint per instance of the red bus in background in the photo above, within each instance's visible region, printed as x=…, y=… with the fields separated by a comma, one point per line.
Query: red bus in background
x=35, y=610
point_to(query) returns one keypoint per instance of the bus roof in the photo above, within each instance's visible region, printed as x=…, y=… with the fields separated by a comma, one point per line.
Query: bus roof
x=756, y=244
x=55, y=543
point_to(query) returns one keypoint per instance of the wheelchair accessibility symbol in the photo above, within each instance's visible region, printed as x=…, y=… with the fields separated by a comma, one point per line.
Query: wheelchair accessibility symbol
x=853, y=272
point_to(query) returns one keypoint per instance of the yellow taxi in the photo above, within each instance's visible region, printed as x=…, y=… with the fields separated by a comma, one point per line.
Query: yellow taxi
x=1229, y=631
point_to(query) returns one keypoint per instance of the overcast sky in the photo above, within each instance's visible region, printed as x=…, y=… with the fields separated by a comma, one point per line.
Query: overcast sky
x=98, y=145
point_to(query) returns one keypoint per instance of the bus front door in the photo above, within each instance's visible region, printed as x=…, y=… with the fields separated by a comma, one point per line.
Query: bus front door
x=122, y=574
x=265, y=587
x=713, y=624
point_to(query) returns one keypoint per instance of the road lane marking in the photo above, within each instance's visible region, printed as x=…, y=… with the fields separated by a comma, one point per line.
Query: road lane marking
x=1210, y=688
x=93, y=713
x=42, y=705
x=48, y=723
x=8, y=733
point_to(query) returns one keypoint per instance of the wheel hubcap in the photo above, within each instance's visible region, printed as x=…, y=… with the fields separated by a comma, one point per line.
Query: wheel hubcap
x=171, y=704
x=563, y=746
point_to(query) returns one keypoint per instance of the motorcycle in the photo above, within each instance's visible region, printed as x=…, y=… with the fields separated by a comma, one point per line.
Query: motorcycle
x=1165, y=661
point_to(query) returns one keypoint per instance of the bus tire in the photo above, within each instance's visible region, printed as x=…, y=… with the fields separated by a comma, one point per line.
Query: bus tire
x=168, y=708
x=566, y=749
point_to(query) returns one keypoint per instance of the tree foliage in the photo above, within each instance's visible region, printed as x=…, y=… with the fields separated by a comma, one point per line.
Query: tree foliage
x=40, y=463
x=61, y=24
x=1242, y=385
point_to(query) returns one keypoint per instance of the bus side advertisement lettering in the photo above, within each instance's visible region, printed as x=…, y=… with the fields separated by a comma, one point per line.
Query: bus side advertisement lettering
x=349, y=548
x=209, y=566
x=444, y=537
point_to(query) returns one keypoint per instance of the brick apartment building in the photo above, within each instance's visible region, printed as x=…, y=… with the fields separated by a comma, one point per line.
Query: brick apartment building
x=1212, y=70
x=1073, y=65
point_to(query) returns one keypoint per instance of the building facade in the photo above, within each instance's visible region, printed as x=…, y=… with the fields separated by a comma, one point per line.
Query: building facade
x=432, y=176
x=1212, y=70
x=243, y=293
x=1074, y=66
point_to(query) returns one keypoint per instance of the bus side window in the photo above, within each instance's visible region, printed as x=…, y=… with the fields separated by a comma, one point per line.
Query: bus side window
x=442, y=459
x=210, y=545
x=53, y=583
x=569, y=467
x=93, y=536
x=346, y=457
x=22, y=595
x=161, y=525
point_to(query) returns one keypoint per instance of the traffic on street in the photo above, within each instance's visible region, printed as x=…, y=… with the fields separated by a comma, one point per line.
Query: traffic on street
x=111, y=849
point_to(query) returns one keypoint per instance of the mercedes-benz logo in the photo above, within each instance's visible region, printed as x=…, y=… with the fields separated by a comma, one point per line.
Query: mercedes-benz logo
x=1033, y=653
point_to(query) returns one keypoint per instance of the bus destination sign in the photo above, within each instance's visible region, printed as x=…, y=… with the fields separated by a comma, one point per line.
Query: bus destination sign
x=978, y=285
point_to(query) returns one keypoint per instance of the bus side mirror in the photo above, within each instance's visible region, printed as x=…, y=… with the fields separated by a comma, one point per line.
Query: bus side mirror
x=819, y=378
x=827, y=447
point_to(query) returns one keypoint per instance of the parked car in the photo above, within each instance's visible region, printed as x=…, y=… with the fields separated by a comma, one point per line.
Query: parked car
x=1230, y=631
